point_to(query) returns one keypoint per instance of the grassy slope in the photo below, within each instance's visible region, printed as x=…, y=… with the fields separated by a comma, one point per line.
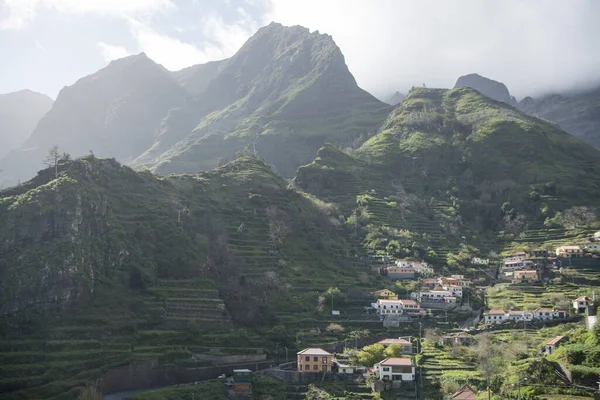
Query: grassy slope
x=463, y=155
x=104, y=244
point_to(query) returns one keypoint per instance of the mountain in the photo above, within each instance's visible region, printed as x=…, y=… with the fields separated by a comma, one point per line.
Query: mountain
x=451, y=168
x=196, y=78
x=488, y=87
x=113, y=113
x=396, y=99
x=283, y=94
x=576, y=112
x=104, y=265
x=19, y=114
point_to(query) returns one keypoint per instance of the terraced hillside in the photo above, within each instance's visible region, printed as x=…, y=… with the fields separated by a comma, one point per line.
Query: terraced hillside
x=452, y=166
x=104, y=265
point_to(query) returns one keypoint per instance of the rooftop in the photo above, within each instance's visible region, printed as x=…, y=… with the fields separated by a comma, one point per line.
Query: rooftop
x=496, y=312
x=314, y=351
x=556, y=340
x=394, y=361
x=408, y=302
x=582, y=298
x=393, y=341
x=571, y=247
x=464, y=393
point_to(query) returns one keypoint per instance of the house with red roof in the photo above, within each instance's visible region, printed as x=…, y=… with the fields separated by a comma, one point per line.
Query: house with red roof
x=464, y=393
x=552, y=344
x=396, y=369
x=581, y=304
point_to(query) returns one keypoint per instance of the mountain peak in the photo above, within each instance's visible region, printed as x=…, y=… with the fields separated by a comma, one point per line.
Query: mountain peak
x=488, y=87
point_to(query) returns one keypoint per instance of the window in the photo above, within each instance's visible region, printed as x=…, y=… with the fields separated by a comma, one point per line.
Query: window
x=324, y=360
x=386, y=369
x=316, y=359
x=300, y=367
x=307, y=358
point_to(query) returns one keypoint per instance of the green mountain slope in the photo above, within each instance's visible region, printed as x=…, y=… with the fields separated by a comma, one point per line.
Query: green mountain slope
x=454, y=164
x=19, y=114
x=284, y=93
x=105, y=265
x=113, y=113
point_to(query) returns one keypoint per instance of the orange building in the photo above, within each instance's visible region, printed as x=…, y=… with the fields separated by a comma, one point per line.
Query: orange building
x=314, y=360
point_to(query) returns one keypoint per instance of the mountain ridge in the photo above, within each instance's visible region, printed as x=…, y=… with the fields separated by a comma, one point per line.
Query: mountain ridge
x=18, y=125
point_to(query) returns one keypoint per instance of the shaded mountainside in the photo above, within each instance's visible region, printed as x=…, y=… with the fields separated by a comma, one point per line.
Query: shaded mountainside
x=113, y=113
x=488, y=87
x=576, y=113
x=20, y=112
x=196, y=78
x=454, y=163
x=108, y=263
x=396, y=99
x=284, y=93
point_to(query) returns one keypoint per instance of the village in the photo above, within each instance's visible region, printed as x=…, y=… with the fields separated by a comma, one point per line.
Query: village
x=453, y=302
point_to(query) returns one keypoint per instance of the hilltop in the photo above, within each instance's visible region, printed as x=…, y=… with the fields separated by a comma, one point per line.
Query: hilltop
x=452, y=167
x=285, y=93
x=112, y=113
x=19, y=114
x=488, y=87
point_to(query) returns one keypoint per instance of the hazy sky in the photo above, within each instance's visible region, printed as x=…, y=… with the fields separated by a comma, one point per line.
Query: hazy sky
x=531, y=45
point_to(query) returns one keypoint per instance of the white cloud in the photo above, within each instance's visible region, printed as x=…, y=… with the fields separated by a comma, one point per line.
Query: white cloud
x=111, y=52
x=392, y=45
x=220, y=40
x=22, y=12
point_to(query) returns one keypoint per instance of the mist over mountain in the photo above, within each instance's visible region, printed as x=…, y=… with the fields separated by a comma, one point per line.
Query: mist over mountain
x=577, y=112
x=396, y=98
x=20, y=112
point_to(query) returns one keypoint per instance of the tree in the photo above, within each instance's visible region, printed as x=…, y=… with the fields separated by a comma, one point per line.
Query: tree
x=433, y=335
x=393, y=350
x=52, y=159
x=370, y=355
x=334, y=328
x=488, y=357
x=315, y=393
x=90, y=393
x=279, y=224
x=578, y=216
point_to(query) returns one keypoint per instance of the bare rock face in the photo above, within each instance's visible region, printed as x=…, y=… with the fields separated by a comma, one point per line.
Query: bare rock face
x=487, y=87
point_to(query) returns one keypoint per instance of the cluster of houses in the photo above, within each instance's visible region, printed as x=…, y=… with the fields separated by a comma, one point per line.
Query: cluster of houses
x=433, y=290
x=403, y=269
x=317, y=360
x=495, y=316
x=541, y=314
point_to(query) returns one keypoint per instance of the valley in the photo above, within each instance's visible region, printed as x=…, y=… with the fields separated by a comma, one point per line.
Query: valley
x=262, y=227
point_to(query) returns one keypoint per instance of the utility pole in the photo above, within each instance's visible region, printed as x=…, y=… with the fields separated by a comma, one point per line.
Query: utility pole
x=286, y=355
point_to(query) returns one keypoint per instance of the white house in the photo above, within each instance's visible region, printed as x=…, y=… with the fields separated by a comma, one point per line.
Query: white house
x=519, y=316
x=457, y=291
x=407, y=346
x=592, y=246
x=495, y=316
x=344, y=367
x=396, y=369
x=410, y=306
x=569, y=251
x=597, y=235
x=388, y=306
x=433, y=295
x=581, y=304
x=547, y=314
